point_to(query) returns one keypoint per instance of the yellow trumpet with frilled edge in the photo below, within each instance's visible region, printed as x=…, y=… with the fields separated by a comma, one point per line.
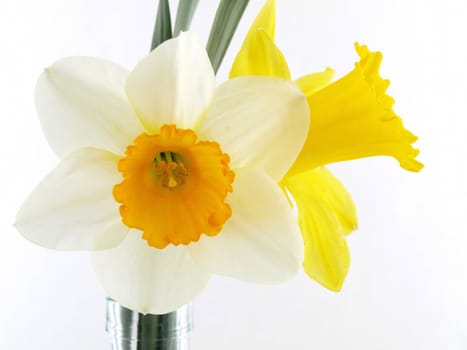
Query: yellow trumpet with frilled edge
x=350, y=118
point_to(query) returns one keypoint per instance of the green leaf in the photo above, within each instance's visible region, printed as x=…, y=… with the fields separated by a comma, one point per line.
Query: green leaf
x=228, y=16
x=185, y=11
x=163, y=26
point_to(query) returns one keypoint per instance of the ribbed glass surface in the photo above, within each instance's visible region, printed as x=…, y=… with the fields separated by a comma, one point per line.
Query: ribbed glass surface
x=130, y=330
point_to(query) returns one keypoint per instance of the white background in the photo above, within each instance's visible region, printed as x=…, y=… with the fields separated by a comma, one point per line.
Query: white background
x=407, y=285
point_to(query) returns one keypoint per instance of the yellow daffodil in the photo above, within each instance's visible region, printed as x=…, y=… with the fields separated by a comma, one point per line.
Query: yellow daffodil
x=350, y=118
x=165, y=177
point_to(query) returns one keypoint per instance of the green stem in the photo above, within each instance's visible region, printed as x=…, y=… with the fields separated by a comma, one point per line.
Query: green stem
x=185, y=12
x=130, y=330
x=228, y=16
x=163, y=25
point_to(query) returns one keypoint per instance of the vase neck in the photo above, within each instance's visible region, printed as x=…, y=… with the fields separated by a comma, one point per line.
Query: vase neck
x=130, y=330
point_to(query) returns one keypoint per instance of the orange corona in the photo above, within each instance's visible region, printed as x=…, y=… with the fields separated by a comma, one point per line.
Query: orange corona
x=174, y=188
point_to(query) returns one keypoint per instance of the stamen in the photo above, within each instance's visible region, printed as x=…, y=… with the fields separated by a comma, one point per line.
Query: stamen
x=157, y=158
x=170, y=173
x=170, y=169
x=168, y=156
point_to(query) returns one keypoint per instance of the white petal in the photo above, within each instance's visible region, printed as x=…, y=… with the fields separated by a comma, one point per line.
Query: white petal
x=81, y=103
x=147, y=279
x=260, y=121
x=73, y=207
x=261, y=242
x=173, y=84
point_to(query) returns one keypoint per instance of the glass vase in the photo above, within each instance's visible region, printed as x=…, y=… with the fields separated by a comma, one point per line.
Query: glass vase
x=130, y=330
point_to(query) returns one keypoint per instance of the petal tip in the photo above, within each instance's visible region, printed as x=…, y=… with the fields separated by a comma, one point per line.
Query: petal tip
x=332, y=284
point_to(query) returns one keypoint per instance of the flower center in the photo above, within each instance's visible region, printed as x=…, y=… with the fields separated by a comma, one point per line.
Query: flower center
x=170, y=169
x=174, y=188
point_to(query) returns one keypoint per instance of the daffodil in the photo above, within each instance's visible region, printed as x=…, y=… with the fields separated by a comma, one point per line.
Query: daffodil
x=166, y=178
x=349, y=119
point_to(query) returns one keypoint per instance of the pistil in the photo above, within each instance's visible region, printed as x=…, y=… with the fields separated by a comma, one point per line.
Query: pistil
x=170, y=169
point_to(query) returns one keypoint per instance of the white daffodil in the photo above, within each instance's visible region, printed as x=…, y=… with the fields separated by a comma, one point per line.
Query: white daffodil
x=165, y=177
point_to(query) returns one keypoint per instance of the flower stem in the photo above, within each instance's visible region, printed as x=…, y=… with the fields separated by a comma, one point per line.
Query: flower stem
x=228, y=16
x=130, y=330
x=163, y=25
x=185, y=12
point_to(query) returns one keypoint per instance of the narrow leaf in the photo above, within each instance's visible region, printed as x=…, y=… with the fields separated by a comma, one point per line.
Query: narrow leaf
x=163, y=26
x=185, y=11
x=228, y=16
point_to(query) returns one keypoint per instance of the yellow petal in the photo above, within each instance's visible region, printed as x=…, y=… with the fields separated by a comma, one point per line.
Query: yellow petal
x=353, y=118
x=311, y=83
x=259, y=55
x=265, y=20
x=326, y=213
